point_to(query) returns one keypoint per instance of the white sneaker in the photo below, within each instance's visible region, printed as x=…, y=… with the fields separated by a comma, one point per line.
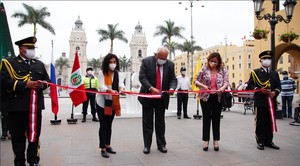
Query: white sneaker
x=295, y=123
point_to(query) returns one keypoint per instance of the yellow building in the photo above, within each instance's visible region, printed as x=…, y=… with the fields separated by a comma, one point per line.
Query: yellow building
x=241, y=60
x=237, y=59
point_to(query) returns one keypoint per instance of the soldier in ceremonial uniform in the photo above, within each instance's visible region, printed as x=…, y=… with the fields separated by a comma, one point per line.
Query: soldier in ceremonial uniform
x=20, y=78
x=268, y=82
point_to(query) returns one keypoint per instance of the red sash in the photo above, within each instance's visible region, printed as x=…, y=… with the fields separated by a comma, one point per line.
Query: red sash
x=33, y=116
x=272, y=116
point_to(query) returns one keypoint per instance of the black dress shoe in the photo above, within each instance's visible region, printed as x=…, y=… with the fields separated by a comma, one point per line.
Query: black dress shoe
x=163, y=149
x=110, y=150
x=95, y=119
x=178, y=117
x=205, y=148
x=186, y=117
x=272, y=145
x=260, y=146
x=146, y=150
x=104, y=154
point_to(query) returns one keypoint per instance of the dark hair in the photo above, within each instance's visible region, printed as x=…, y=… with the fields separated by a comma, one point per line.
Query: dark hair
x=105, y=63
x=215, y=55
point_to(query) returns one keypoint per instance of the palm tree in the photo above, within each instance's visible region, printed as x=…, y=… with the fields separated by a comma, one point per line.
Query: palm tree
x=168, y=32
x=111, y=33
x=124, y=63
x=95, y=64
x=172, y=47
x=189, y=47
x=34, y=16
x=61, y=63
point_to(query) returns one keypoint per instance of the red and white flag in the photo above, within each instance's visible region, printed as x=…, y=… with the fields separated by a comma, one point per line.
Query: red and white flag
x=76, y=81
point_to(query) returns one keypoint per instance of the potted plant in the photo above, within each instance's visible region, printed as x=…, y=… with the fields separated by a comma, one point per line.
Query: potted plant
x=288, y=37
x=260, y=33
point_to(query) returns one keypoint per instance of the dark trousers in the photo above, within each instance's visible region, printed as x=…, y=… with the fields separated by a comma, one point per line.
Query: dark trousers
x=241, y=99
x=211, y=111
x=4, y=122
x=91, y=99
x=287, y=101
x=156, y=107
x=105, y=129
x=263, y=128
x=18, y=128
x=182, y=101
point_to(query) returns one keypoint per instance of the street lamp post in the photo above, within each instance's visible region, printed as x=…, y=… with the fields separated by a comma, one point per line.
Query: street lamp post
x=196, y=116
x=192, y=37
x=273, y=19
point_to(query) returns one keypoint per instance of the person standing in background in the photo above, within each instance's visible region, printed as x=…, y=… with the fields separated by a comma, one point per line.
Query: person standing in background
x=90, y=83
x=288, y=86
x=183, y=84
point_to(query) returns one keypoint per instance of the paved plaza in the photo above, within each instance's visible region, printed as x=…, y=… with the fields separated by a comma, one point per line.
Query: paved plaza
x=77, y=144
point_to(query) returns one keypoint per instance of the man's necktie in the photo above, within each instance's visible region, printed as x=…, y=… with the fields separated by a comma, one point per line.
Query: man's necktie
x=158, y=78
x=268, y=70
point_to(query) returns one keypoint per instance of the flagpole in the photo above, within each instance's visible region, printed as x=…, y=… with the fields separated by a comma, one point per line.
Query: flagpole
x=52, y=74
x=72, y=120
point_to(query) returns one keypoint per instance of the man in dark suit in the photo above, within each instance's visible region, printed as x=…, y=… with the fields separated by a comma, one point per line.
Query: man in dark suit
x=268, y=83
x=20, y=78
x=156, y=75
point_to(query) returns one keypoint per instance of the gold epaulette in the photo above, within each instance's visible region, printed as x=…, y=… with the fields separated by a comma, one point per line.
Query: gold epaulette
x=12, y=73
x=258, y=82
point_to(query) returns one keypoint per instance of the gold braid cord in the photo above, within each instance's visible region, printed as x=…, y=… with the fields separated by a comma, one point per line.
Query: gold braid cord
x=258, y=82
x=12, y=73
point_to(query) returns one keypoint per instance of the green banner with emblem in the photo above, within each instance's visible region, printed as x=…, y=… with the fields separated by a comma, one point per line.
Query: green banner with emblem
x=6, y=47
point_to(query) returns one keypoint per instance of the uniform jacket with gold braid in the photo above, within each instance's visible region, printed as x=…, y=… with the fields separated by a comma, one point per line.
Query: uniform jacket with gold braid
x=14, y=75
x=260, y=79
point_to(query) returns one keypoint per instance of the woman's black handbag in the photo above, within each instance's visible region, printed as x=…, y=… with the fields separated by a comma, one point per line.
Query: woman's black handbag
x=227, y=100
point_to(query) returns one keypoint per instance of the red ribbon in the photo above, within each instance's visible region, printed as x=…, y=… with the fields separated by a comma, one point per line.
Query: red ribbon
x=147, y=94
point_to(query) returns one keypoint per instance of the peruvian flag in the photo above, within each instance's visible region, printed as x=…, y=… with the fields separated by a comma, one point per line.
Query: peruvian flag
x=76, y=81
x=53, y=88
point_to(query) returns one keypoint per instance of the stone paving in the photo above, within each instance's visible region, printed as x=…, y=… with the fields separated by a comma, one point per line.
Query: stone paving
x=77, y=144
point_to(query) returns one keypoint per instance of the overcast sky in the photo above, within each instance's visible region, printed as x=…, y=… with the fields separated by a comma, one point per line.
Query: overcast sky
x=211, y=23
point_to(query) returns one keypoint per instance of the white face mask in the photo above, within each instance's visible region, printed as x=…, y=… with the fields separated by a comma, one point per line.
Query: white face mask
x=285, y=76
x=213, y=63
x=89, y=72
x=266, y=62
x=30, y=53
x=112, y=66
x=183, y=72
x=161, y=61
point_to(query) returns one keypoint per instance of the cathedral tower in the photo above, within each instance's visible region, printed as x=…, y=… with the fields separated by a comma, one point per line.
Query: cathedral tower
x=78, y=42
x=138, y=48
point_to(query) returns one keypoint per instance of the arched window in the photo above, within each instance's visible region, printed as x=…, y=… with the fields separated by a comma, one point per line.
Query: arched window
x=140, y=53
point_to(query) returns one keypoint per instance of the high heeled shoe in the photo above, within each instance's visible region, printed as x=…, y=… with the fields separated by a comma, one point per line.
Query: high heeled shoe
x=205, y=145
x=216, y=145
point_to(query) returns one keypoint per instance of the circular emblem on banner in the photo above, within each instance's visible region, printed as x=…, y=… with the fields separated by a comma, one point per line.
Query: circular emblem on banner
x=75, y=79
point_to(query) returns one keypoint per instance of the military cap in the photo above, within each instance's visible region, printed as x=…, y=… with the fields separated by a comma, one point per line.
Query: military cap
x=182, y=69
x=89, y=68
x=266, y=54
x=29, y=41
